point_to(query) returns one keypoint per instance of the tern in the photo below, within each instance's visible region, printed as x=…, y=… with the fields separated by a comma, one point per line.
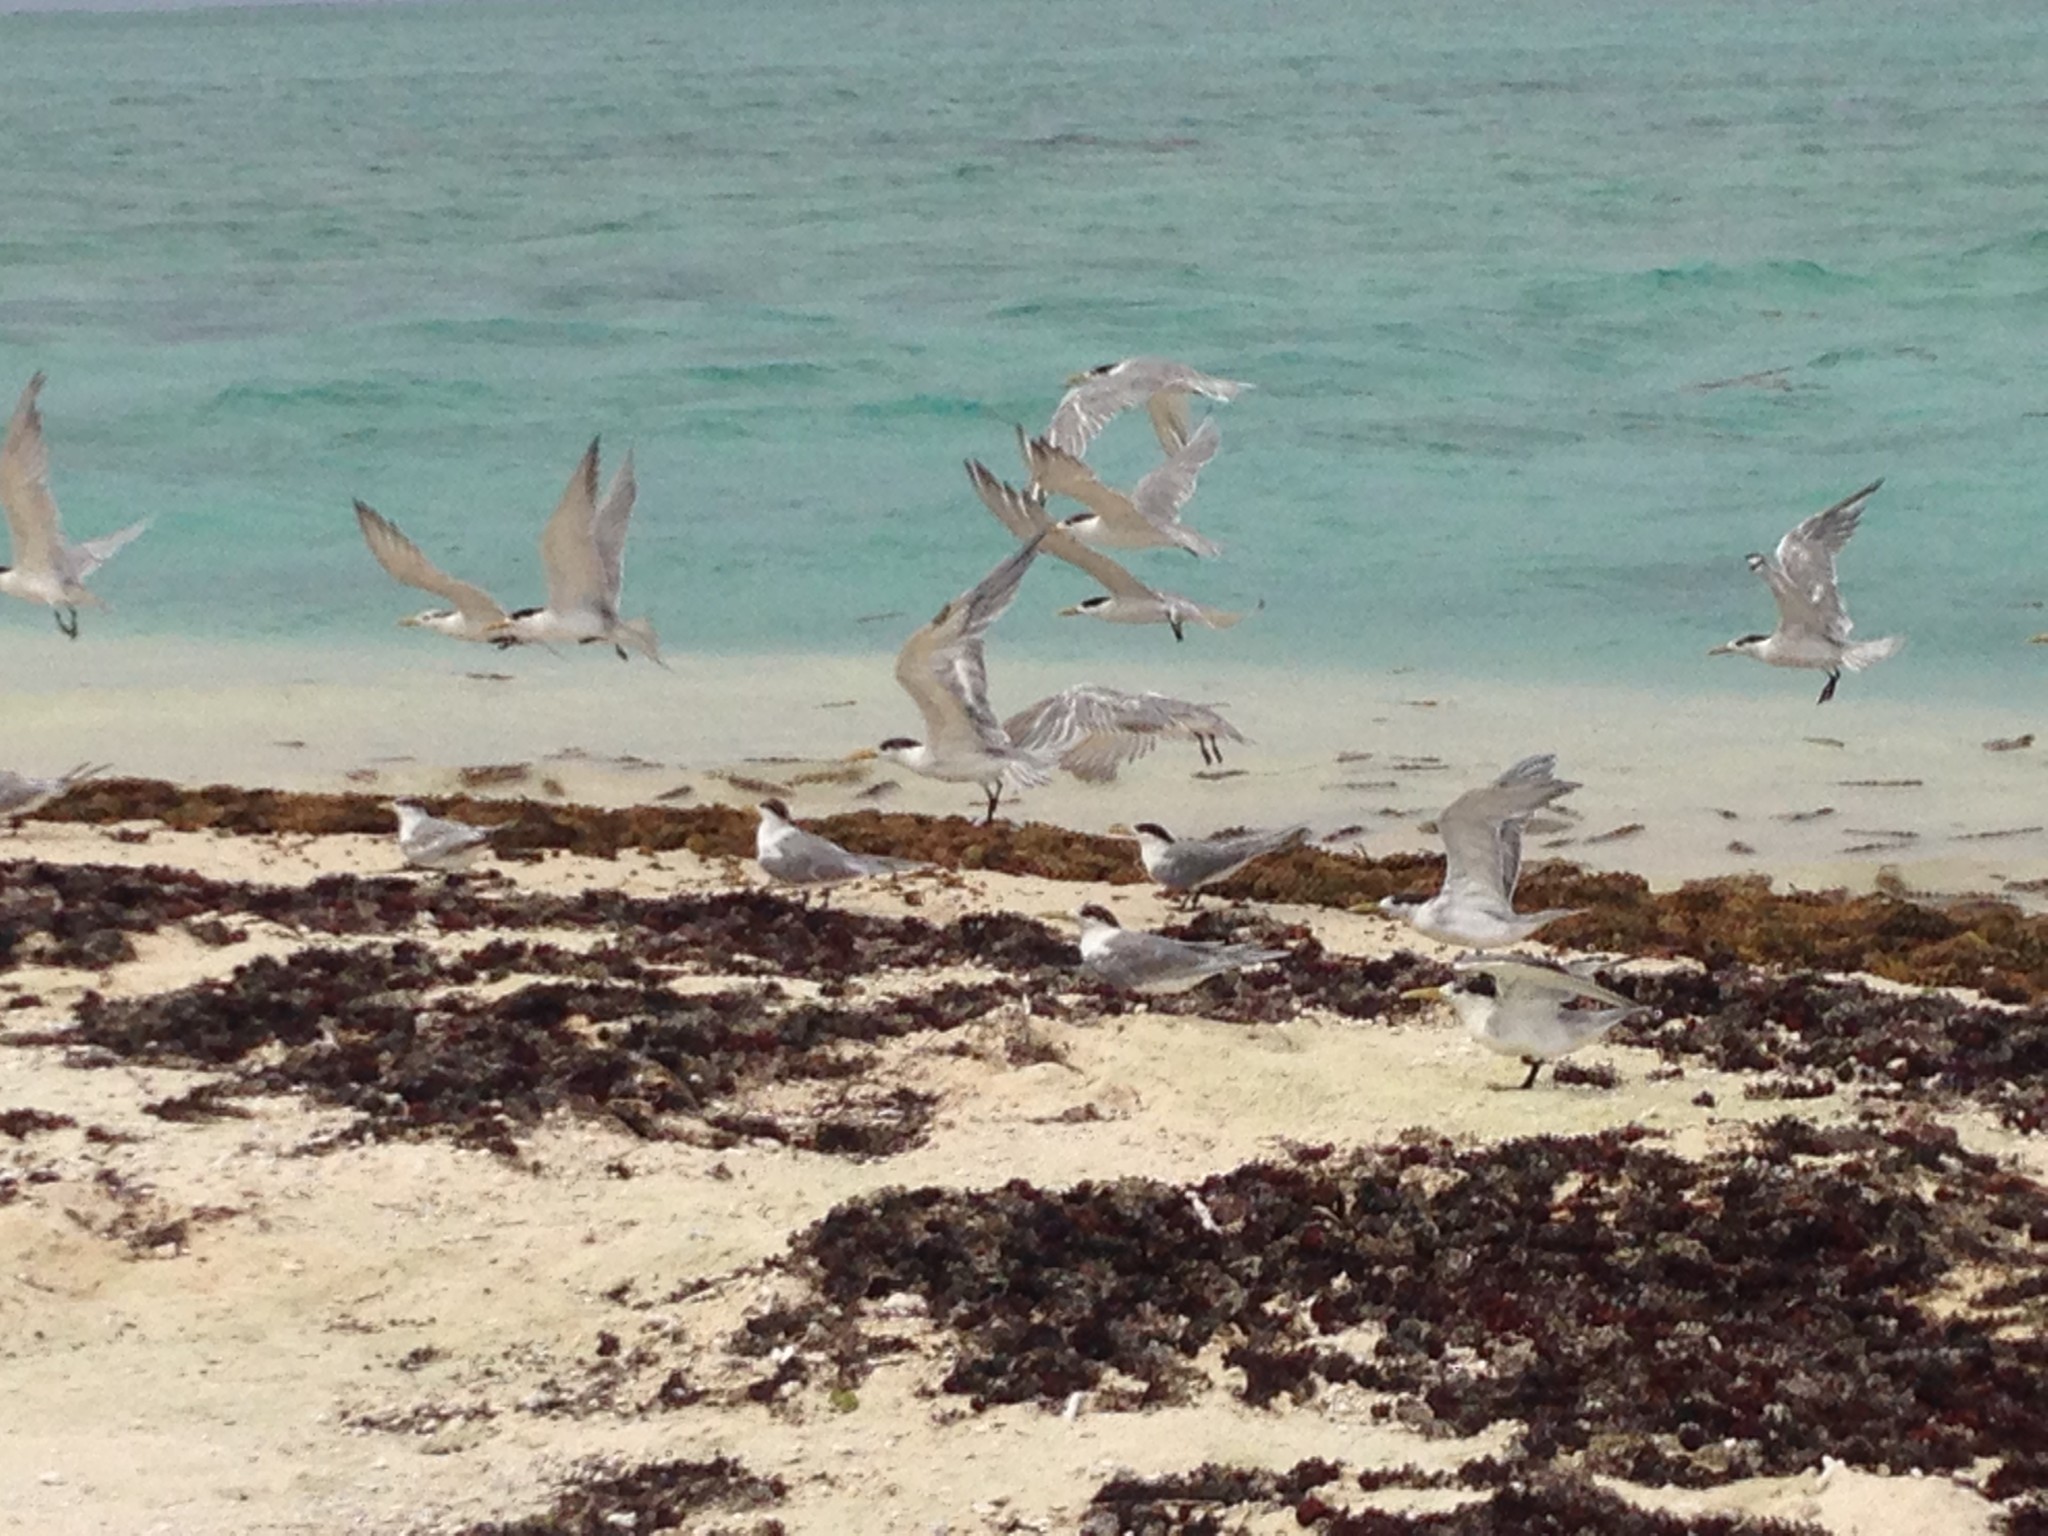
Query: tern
x=1152, y=962
x=1482, y=833
x=1124, y=599
x=437, y=842
x=47, y=568
x=943, y=669
x=22, y=796
x=1813, y=625
x=1184, y=865
x=1145, y=517
x=1161, y=386
x=796, y=857
x=1091, y=731
x=1520, y=1007
x=583, y=556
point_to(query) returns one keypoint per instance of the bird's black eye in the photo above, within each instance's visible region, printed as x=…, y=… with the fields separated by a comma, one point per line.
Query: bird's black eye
x=1479, y=984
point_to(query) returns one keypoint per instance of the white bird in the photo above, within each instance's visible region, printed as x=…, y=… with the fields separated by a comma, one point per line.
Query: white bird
x=1184, y=865
x=1518, y=1007
x=583, y=556
x=1161, y=386
x=1124, y=599
x=1152, y=962
x=796, y=857
x=1482, y=833
x=22, y=796
x=476, y=614
x=1091, y=731
x=47, y=567
x=1813, y=624
x=437, y=842
x=1145, y=517
x=943, y=669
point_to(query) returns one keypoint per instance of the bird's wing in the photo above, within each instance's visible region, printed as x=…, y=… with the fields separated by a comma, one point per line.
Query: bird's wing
x=568, y=545
x=942, y=666
x=614, y=514
x=438, y=836
x=1094, y=730
x=1090, y=403
x=1533, y=978
x=1166, y=489
x=1802, y=574
x=25, y=486
x=1168, y=409
x=88, y=555
x=1482, y=828
x=404, y=562
x=1056, y=470
x=1249, y=845
x=1025, y=516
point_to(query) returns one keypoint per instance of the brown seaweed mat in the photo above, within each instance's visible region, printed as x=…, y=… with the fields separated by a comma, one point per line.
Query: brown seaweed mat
x=1985, y=944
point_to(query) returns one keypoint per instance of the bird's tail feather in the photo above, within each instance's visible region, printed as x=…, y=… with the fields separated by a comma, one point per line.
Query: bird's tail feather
x=1865, y=652
x=638, y=635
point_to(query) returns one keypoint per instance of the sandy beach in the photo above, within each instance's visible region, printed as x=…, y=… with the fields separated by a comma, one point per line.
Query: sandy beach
x=344, y=1199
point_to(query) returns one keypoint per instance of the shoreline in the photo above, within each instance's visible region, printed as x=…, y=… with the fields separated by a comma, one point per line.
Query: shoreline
x=1861, y=792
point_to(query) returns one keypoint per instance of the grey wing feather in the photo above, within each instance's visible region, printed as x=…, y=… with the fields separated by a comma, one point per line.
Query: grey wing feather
x=405, y=563
x=1482, y=828
x=32, y=519
x=608, y=527
x=1802, y=574
x=1095, y=730
x=1166, y=489
x=1024, y=515
x=1534, y=977
x=568, y=544
x=942, y=666
x=88, y=555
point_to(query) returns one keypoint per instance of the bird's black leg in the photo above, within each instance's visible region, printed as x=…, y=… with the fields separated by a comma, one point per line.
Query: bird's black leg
x=68, y=625
x=1203, y=743
x=995, y=793
x=1535, y=1066
x=1174, y=625
x=621, y=650
x=1829, y=691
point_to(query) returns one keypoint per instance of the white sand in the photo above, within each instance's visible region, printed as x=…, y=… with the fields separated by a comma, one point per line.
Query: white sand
x=227, y=1387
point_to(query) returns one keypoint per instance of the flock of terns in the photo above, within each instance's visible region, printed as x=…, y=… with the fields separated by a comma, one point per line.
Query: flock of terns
x=1513, y=1004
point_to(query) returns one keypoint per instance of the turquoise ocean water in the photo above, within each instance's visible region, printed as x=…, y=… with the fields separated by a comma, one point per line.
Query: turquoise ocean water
x=805, y=256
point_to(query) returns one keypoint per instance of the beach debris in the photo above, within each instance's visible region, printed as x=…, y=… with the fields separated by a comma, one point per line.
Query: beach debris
x=1827, y=741
x=1726, y=815
x=1615, y=834
x=2010, y=743
x=748, y=784
x=1354, y=757
x=1880, y=783
x=1813, y=815
x=1739, y=846
x=2002, y=832
x=490, y=775
x=488, y=677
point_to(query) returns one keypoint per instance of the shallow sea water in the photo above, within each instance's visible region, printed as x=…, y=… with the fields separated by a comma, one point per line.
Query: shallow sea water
x=1490, y=270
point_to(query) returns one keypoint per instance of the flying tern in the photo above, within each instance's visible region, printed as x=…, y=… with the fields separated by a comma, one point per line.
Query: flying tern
x=1482, y=833
x=943, y=669
x=22, y=796
x=1091, y=731
x=47, y=568
x=1813, y=624
x=1521, y=1008
x=1161, y=386
x=437, y=842
x=1152, y=962
x=1184, y=865
x=583, y=556
x=1145, y=517
x=476, y=614
x=1124, y=599
x=796, y=857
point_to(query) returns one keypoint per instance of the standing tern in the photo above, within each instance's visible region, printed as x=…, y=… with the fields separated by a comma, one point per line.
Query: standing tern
x=22, y=796
x=1145, y=517
x=1520, y=1007
x=1161, y=386
x=437, y=842
x=1124, y=599
x=47, y=568
x=943, y=669
x=1152, y=962
x=476, y=614
x=1813, y=624
x=1091, y=731
x=583, y=556
x=1482, y=833
x=796, y=857
x=1184, y=865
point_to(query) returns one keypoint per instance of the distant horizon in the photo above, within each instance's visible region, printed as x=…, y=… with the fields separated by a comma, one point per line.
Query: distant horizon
x=28, y=7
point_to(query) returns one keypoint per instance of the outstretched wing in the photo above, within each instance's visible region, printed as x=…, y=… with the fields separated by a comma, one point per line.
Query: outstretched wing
x=1094, y=730
x=1802, y=574
x=1025, y=516
x=942, y=666
x=25, y=486
x=403, y=561
x=568, y=545
x=1482, y=828
x=609, y=526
